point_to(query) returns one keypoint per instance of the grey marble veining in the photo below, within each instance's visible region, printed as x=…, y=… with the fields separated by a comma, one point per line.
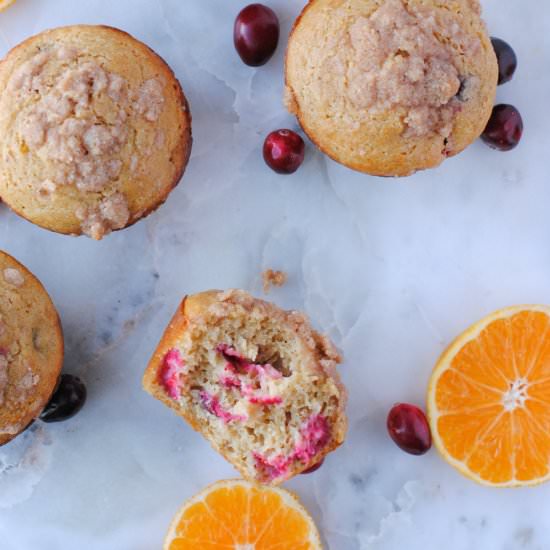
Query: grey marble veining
x=392, y=270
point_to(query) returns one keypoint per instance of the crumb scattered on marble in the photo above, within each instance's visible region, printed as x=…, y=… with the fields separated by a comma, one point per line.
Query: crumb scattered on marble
x=272, y=278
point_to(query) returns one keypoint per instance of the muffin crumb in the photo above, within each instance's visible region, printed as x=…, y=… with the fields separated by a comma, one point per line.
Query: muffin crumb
x=272, y=278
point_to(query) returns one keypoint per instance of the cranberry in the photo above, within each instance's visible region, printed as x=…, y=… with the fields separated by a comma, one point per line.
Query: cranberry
x=284, y=151
x=314, y=468
x=409, y=429
x=256, y=34
x=504, y=129
x=507, y=60
x=67, y=400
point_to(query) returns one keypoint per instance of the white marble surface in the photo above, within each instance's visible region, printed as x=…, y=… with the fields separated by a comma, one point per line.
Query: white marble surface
x=391, y=269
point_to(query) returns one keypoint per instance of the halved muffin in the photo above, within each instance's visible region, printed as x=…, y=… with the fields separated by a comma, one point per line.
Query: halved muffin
x=258, y=382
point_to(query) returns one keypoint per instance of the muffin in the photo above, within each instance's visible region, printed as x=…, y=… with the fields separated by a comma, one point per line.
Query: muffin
x=258, y=382
x=95, y=130
x=31, y=348
x=389, y=87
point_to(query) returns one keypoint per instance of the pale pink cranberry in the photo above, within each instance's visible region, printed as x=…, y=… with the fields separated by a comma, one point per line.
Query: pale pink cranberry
x=315, y=436
x=235, y=361
x=238, y=366
x=230, y=382
x=170, y=373
x=257, y=398
x=272, y=468
x=265, y=371
x=212, y=404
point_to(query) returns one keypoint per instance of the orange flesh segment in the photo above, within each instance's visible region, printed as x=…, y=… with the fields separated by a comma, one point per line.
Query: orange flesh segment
x=264, y=508
x=493, y=401
x=225, y=505
x=492, y=457
x=532, y=448
x=242, y=515
x=201, y=526
x=456, y=393
x=293, y=526
x=462, y=432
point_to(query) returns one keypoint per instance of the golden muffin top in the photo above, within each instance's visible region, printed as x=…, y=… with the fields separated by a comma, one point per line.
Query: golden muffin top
x=94, y=128
x=391, y=86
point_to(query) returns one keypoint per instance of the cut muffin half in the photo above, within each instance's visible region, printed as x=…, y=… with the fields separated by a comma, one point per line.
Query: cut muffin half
x=258, y=382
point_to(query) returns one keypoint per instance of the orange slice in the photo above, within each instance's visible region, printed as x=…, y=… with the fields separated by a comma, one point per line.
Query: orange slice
x=239, y=515
x=489, y=399
x=5, y=3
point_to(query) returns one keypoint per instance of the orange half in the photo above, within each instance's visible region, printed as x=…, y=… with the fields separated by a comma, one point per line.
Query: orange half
x=239, y=515
x=489, y=399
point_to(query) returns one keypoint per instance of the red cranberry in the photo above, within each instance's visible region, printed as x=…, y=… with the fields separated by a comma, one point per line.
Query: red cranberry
x=507, y=60
x=314, y=468
x=504, y=129
x=256, y=34
x=284, y=151
x=67, y=400
x=409, y=429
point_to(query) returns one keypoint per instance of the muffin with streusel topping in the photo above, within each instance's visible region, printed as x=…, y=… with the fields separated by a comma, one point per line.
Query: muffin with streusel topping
x=95, y=130
x=389, y=87
x=31, y=348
